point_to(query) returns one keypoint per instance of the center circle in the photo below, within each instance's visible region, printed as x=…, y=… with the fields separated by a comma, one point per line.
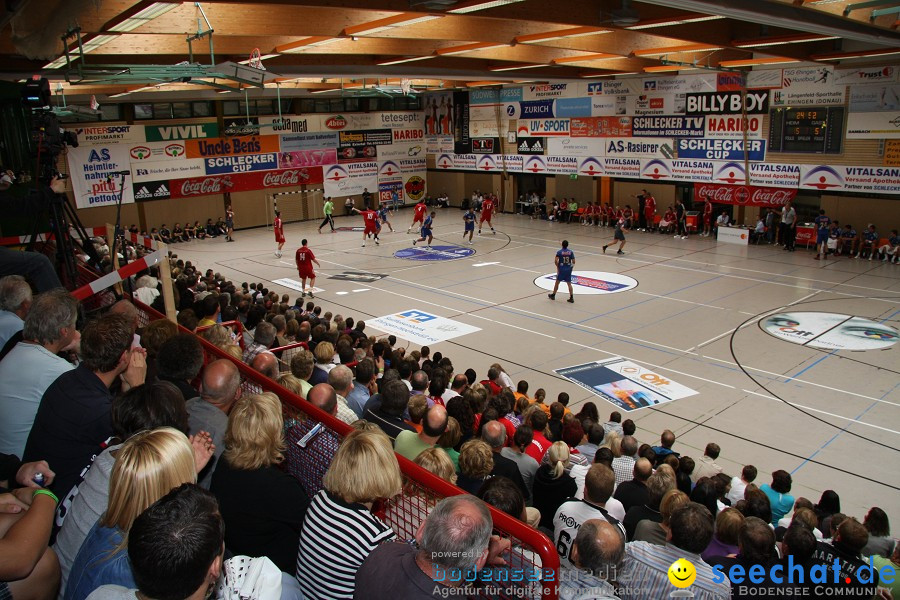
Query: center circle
x=590, y=282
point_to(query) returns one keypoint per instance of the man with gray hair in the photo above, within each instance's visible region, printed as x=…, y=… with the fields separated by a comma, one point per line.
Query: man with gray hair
x=220, y=389
x=15, y=302
x=341, y=379
x=596, y=555
x=623, y=466
x=494, y=434
x=280, y=324
x=263, y=336
x=454, y=540
x=266, y=364
x=32, y=365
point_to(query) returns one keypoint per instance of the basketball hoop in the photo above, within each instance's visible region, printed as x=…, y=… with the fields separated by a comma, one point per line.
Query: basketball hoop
x=256, y=60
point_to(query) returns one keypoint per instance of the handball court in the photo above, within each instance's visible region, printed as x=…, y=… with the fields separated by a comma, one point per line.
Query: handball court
x=829, y=417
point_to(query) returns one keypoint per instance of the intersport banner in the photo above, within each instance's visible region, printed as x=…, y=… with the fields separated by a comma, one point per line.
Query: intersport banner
x=243, y=182
x=744, y=195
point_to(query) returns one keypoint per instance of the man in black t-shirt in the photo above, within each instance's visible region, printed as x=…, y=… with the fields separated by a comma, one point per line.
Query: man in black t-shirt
x=73, y=420
x=851, y=537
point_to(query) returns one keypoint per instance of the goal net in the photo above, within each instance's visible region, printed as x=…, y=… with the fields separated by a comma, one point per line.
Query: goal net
x=291, y=205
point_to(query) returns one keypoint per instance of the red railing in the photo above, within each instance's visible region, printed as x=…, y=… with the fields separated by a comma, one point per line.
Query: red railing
x=533, y=557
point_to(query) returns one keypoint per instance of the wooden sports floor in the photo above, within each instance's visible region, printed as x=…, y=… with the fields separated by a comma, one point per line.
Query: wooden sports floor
x=829, y=417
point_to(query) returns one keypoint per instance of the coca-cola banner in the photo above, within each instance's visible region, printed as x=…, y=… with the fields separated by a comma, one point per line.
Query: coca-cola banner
x=244, y=182
x=746, y=195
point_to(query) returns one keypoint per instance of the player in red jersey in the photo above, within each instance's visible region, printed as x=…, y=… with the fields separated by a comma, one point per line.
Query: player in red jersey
x=370, y=219
x=487, y=210
x=707, y=217
x=279, y=233
x=649, y=210
x=418, y=215
x=304, y=259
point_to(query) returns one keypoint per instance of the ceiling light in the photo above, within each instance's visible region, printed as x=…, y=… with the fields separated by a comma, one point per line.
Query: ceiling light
x=476, y=47
x=583, y=58
x=781, y=40
x=574, y=32
x=307, y=42
x=750, y=62
x=56, y=64
x=670, y=22
x=483, y=83
x=397, y=61
x=261, y=58
x=665, y=68
x=676, y=50
x=325, y=91
x=144, y=16
x=516, y=67
x=480, y=5
x=856, y=54
x=609, y=74
x=378, y=25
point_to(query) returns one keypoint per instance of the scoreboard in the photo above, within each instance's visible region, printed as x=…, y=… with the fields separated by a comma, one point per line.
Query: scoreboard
x=817, y=129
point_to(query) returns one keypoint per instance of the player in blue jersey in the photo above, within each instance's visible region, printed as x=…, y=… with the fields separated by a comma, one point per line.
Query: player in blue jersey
x=469, y=221
x=565, y=260
x=426, y=230
x=868, y=242
x=823, y=226
x=383, y=215
x=890, y=252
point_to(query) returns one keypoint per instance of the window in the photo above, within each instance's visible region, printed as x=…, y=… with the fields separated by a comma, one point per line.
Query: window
x=143, y=111
x=110, y=112
x=231, y=108
x=162, y=110
x=181, y=110
x=351, y=104
x=322, y=106
x=307, y=105
x=202, y=109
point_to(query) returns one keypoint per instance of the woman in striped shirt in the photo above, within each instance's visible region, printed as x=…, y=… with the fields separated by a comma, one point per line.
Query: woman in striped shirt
x=340, y=531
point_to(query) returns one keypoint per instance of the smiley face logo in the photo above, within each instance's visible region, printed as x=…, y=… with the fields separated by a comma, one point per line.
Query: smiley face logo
x=682, y=573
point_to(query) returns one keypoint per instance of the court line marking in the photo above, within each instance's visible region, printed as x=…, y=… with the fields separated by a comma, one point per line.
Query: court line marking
x=823, y=412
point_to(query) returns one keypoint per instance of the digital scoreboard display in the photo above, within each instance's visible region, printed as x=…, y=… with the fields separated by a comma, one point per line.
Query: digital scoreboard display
x=817, y=129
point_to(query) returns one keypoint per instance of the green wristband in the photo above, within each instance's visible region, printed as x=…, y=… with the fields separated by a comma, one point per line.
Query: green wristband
x=46, y=493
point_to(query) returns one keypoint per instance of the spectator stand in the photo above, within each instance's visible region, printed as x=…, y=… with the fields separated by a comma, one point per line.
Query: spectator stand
x=533, y=561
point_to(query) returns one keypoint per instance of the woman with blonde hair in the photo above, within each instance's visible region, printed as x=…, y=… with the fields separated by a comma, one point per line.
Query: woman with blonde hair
x=435, y=460
x=324, y=355
x=339, y=530
x=552, y=483
x=267, y=522
x=449, y=440
x=648, y=530
x=148, y=465
x=475, y=465
x=217, y=335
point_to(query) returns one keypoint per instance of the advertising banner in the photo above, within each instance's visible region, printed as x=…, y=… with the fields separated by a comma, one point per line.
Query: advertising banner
x=739, y=236
x=875, y=98
x=408, y=150
x=830, y=331
x=232, y=146
x=420, y=327
x=483, y=145
x=727, y=103
x=438, y=144
x=615, y=87
x=873, y=125
x=459, y=124
x=350, y=179
x=673, y=126
x=109, y=134
x=306, y=158
x=543, y=127
x=562, y=165
x=164, y=170
x=680, y=84
x=734, y=126
x=774, y=175
x=491, y=112
x=439, y=114
x=652, y=104
x=580, y=146
x=535, y=165
x=754, y=150
x=242, y=163
x=660, y=169
x=765, y=79
x=308, y=141
x=601, y=106
x=163, y=133
x=151, y=190
x=856, y=179
x=488, y=129
x=743, y=195
x=730, y=82
x=414, y=186
x=807, y=86
x=580, y=107
x=289, y=124
x=622, y=167
x=373, y=137
x=625, y=384
x=387, y=189
x=548, y=90
x=92, y=170
x=527, y=145
x=638, y=147
x=891, y=153
x=601, y=127
x=401, y=136
x=592, y=166
x=865, y=75
x=492, y=96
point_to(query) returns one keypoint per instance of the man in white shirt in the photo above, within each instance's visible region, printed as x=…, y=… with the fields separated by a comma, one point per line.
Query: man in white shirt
x=739, y=484
x=706, y=465
x=572, y=513
x=15, y=301
x=32, y=365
